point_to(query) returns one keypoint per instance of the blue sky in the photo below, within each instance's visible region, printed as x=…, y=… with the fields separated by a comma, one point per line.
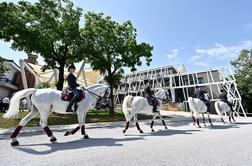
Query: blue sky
x=197, y=33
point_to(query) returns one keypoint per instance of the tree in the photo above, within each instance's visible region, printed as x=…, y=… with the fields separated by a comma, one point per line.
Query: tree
x=49, y=28
x=112, y=46
x=243, y=75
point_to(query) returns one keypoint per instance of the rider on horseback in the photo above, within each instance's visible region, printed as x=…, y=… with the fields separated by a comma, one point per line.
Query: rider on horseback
x=71, y=79
x=200, y=94
x=223, y=97
x=149, y=95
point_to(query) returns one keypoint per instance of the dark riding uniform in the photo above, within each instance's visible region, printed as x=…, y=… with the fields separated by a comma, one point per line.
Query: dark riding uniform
x=71, y=80
x=200, y=94
x=223, y=97
x=149, y=95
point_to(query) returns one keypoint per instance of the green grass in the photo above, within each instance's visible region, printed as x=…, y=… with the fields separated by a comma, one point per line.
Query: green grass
x=61, y=119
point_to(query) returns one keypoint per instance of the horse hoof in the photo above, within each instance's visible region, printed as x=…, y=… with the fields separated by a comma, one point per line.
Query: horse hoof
x=166, y=128
x=141, y=131
x=86, y=136
x=67, y=133
x=199, y=126
x=124, y=131
x=53, y=139
x=152, y=130
x=14, y=143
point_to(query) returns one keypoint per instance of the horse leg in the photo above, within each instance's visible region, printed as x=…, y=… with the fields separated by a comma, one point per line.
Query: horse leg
x=203, y=118
x=197, y=120
x=128, y=118
x=229, y=117
x=222, y=120
x=126, y=127
x=162, y=119
x=209, y=119
x=43, y=123
x=137, y=125
x=152, y=122
x=22, y=123
x=193, y=118
x=81, y=120
x=233, y=116
x=72, y=132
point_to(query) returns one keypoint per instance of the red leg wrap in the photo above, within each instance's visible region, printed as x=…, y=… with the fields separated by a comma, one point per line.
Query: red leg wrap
x=16, y=131
x=193, y=119
x=210, y=121
x=204, y=120
x=137, y=125
x=152, y=123
x=48, y=131
x=83, y=130
x=127, y=125
x=75, y=130
x=197, y=122
x=163, y=122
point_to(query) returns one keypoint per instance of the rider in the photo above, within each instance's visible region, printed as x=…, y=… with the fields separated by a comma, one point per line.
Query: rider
x=149, y=95
x=200, y=94
x=71, y=79
x=223, y=97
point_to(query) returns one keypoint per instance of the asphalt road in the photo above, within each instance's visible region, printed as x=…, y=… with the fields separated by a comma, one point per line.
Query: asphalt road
x=182, y=144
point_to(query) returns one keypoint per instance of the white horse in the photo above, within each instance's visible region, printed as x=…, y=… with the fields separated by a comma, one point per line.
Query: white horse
x=46, y=100
x=140, y=104
x=198, y=107
x=223, y=108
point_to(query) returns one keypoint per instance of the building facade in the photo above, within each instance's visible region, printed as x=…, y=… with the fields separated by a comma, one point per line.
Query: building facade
x=181, y=84
x=8, y=79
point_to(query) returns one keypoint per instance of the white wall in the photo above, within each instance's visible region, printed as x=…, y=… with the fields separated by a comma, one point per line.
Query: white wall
x=3, y=92
x=11, y=70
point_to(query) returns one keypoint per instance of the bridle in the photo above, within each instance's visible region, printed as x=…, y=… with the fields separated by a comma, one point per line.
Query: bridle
x=97, y=97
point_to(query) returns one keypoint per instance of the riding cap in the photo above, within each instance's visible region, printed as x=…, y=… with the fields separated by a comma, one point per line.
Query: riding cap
x=71, y=67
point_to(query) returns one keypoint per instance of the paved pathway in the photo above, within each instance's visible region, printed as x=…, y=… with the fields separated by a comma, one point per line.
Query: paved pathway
x=182, y=144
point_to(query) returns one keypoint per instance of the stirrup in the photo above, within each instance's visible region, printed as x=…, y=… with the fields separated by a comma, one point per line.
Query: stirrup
x=69, y=110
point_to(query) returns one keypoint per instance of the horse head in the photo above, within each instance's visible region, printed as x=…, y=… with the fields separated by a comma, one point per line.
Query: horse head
x=206, y=96
x=161, y=93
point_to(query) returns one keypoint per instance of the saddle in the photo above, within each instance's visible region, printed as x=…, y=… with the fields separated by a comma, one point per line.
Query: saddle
x=67, y=95
x=152, y=102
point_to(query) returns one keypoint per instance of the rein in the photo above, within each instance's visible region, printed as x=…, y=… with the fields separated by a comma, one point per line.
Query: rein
x=97, y=97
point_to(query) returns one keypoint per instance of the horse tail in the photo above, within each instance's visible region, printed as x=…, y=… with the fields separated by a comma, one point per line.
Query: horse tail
x=126, y=100
x=217, y=108
x=191, y=104
x=14, y=102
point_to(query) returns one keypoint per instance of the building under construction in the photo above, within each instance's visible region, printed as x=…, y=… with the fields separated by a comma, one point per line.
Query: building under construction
x=181, y=84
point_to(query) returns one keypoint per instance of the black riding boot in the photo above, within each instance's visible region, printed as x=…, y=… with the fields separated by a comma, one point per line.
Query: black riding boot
x=69, y=108
x=154, y=108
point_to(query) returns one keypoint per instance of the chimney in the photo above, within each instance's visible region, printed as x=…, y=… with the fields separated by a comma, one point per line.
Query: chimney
x=32, y=58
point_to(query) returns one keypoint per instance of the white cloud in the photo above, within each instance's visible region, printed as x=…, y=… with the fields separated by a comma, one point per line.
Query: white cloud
x=173, y=55
x=195, y=57
x=249, y=26
x=203, y=64
x=220, y=52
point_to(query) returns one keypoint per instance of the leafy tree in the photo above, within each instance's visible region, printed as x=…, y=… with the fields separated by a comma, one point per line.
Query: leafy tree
x=243, y=74
x=111, y=46
x=49, y=28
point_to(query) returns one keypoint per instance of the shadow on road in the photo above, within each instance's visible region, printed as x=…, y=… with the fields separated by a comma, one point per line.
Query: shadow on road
x=77, y=144
x=165, y=133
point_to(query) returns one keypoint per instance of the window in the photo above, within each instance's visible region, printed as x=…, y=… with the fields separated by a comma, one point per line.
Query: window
x=201, y=80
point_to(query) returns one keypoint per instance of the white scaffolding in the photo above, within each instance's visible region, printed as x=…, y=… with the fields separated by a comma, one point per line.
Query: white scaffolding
x=212, y=80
